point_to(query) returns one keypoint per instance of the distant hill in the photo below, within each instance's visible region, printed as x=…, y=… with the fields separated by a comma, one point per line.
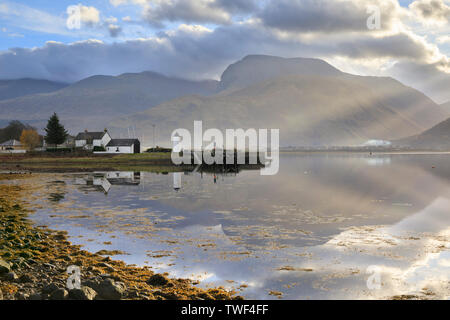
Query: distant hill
x=437, y=137
x=10, y=89
x=327, y=108
x=92, y=102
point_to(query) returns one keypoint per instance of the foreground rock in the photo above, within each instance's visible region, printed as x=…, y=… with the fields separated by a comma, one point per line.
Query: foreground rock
x=108, y=289
x=85, y=293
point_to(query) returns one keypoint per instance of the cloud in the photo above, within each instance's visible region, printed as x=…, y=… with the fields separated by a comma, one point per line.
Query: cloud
x=25, y=17
x=157, y=12
x=326, y=15
x=195, y=52
x=431, y=11
x=89, y=15
x=114, y=30
x=443, y=39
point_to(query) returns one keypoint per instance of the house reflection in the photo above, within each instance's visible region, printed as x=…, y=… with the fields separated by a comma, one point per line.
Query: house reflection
x=103, y=181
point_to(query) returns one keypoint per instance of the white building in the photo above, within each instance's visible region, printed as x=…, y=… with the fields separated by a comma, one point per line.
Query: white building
x=123, y=146
x=89, y=140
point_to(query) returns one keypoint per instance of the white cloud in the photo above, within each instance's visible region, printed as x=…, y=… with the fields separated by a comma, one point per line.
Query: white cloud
x=25, y=17
x=431, y=12
x=443, y=39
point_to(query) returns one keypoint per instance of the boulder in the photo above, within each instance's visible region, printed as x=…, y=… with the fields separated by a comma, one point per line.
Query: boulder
x=85, y=293
x=50, y=288
x=108, y=289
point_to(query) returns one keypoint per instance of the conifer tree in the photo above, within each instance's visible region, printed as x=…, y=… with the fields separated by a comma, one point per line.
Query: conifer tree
x=56, y=134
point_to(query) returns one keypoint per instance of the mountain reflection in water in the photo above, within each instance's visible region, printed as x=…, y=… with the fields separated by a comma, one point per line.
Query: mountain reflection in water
x=311, y=231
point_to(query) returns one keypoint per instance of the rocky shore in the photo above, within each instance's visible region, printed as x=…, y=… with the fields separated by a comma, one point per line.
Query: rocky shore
x=35, y=263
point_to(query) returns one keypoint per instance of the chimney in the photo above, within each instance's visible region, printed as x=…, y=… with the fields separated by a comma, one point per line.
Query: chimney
x=106, y=130
x=86, y=130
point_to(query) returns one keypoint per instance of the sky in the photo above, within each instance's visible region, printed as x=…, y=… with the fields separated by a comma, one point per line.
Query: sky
x=67, y=40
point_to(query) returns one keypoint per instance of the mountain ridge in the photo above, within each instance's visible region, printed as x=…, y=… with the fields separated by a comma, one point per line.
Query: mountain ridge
x=309, y=110
x=10, y=89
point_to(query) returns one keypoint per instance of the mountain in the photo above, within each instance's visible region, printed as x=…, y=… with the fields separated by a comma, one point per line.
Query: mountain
x=446, y=105
x=10, y=89
x=437, y=138
x=315, y=104
x=92, y=102
x=257, y=68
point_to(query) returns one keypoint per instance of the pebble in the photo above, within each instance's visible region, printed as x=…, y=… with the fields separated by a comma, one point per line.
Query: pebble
x=10, y=276
x=5, y=267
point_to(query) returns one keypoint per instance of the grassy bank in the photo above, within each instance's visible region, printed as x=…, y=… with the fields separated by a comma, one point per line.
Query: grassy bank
x=158, y=162
x=34, y=262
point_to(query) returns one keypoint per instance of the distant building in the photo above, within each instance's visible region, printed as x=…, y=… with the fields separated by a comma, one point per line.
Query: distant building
x=11, y=145
x=377, y=143
x=88, y=140
x=123, y=146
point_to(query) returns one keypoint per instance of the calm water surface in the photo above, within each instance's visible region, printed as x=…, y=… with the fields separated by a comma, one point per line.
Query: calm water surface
x=322, y=228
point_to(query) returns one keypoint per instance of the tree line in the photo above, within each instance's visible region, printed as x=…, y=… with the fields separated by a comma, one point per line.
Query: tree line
x=55, y=135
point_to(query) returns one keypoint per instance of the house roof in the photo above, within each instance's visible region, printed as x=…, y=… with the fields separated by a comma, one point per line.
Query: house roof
x=122, y=142
x=90, y=135
x=11, y=143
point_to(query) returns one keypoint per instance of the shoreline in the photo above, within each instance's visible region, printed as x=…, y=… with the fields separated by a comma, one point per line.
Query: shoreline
x=34, y=262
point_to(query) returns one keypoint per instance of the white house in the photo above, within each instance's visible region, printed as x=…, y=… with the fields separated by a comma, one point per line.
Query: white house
x=89, y=140
x=123, y=146
x=11, y=145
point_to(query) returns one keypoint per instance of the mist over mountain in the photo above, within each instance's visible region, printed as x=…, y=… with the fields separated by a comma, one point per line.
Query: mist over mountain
x=10, y=89
x=310, y=108
x=92, y=102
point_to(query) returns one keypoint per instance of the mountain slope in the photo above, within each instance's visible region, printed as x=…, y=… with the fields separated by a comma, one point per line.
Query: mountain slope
x=336, y=109
x=10, y=89
x=257, y=68
x=437, y=137
x=96, y=100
